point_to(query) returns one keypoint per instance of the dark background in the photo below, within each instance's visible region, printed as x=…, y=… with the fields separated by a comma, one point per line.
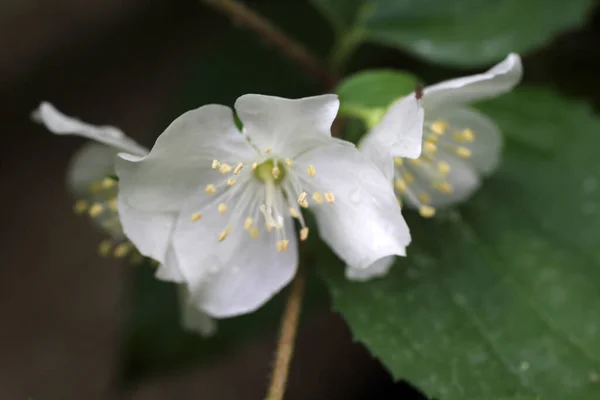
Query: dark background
x=126, y=63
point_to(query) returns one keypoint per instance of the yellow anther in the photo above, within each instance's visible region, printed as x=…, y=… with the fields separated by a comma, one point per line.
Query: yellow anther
x=463, y=152
x=282, y=245
x=303, y=203
x=253, y=232
x=96, y=187
x=302, y=197
x=222, y=208
x=210, y=189
x=444, y=167
x=80, y=206
x=231, y=182
x=439, y=127
x=430, y=147
x=330, y=197
x=398, y=161
x=304, y=233
x=312, y=170
x=112, y=204
x=254, y=165
x=95, y=210
x=225, y=168
x=317, y=197
x=104, y=248
x=238, y=168
x=432, y=138
x=289, y=162
x=196, y=216
x=467, y=135
x=425, y=198
x=216, y=164
x=445, y=187
x=267, y=149
x=416, y=162
x=107, y=183
x=294, y=213
x=275, y=172
x=399, y=201
x=408, y=177
x=400, y=185
x=122, y=250
x=248, y=223
x=223, y=234
x=426, y=211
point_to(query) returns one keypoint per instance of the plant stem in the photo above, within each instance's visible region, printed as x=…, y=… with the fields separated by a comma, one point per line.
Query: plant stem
x=287, y=336
x=343, y=48
x=261, y=26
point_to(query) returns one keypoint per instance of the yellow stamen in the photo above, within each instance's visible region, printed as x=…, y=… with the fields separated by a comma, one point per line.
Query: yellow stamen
x=196, y=216
x=408, y=177
x=108, y=183
x=95, y=187
x=210, y=189
x=248, y=223
x=282, y=245
x=112, y=204
x=216, y=164
x=95, y=210
x=439, y=127
x=398, y=161
x=330, y=197
x=267, y=149
x=222, y=208
x=238, y=168
x=231, y=182
x=253, y=232
x=254, y=165
x=80, y=207
x=400, y=185
x=303, y=203
x=416, y=162
x=104, y=248
x=294, y=213
x=312, y=170
x=444, y=167
x=122, y=250
x=225, y=168
x=223, y=235
x=445, y=187
x=304, y=233
x=302, y=197
x=426, y=211
x=289, y=162
x=424, y=197
x=430, y=147
x=399, y=201
x=467, y=135
x=317, y=197
x=275, y=172
x=463, y=152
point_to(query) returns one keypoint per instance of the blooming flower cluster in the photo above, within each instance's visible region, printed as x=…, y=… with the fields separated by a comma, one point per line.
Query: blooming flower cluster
x=221, y=209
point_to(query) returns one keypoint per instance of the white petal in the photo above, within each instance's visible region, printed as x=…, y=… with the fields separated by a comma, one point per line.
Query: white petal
x=181, y=158
x=496, y=81
x=286, y=125
x=61, y=124
x=93, y=162
x=378, y=269
x=486, y=147
x=170, y=269
x=243, y=280
x=364, y=223
x=150, y=232
x=193, y=319
x=399, y=134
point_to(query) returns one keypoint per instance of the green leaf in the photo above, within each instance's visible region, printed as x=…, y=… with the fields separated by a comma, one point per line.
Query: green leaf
x=501, y=296
x=367, y=94
x=458, y=32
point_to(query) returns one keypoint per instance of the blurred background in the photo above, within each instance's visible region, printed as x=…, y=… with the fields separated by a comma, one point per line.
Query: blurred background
x=135, y=64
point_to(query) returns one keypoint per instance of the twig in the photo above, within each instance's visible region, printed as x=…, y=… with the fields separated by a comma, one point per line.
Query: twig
x=255, y=22
x=287, y=336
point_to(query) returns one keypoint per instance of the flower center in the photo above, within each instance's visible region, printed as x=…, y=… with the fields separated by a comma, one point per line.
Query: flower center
x=270, y=171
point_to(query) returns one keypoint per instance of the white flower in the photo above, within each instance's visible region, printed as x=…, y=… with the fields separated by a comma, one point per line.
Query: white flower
x=222, y=202
x=460, y=145
x=89, y=178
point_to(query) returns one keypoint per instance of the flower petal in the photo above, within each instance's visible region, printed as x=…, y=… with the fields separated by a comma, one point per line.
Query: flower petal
x=399, y=134
x=193, y=319
x=180, y=160
x=92, y=162
x=61, y=124
x=170, y=269
x=364, y=223
x=496, y=81
x=150, y=232
x=286, y=125
x=486, y=146
x=378, y=269
x=243, y=280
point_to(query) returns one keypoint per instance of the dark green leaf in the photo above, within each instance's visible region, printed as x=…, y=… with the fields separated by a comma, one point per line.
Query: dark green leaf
x=458, y=32
x=501, y=296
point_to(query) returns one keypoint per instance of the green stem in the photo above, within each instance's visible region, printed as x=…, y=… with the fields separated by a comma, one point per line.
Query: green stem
x=342, y=50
